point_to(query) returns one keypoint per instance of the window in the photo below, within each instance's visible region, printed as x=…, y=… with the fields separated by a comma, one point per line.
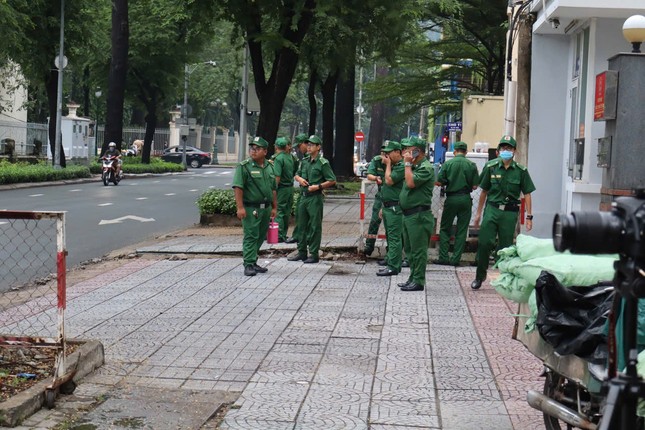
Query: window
x=578, y=95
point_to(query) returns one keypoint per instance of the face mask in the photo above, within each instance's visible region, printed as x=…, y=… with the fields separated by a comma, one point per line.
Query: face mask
x=506, y=155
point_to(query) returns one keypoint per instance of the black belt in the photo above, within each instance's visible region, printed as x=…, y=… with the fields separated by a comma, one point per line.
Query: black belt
x=508, y=207
x=458, y=193
x=260, y=205
x=390, y=204
x=285, y=185
x=416, y=210
x=306, y=193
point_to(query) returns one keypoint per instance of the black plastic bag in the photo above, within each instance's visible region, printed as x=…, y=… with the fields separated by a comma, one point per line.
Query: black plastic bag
x=573, y=319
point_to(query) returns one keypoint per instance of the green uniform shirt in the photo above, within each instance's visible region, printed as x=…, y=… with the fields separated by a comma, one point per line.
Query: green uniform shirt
x=283, y=167
x=376, y=167
x=391, y=192
x=316, y=171
x=257, y=182
x=421, y=194
x=504, y=185
x=296, y=163
x=458, y=174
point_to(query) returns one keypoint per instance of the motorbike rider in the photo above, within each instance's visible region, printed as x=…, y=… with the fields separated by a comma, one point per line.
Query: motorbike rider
x=113, y=152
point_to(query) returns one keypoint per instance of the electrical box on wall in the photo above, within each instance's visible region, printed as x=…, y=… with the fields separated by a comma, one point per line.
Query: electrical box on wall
x=604, y=152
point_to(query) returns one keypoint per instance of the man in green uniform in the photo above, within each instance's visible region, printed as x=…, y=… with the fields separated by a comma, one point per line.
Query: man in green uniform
x=314, y=175
x=375, y=172
x=502, y=181
x=284, y=172
x=255, y=196
x=391, y=212
x=301, y=147
x=416, y=203
x=460, y=177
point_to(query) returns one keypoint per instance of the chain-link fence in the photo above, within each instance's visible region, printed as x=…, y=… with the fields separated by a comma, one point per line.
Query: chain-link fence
x=23, y=139
x=32, y=282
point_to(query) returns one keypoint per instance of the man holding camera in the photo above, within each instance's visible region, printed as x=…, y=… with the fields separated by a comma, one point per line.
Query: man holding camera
x=416, y=204
x=502, y=182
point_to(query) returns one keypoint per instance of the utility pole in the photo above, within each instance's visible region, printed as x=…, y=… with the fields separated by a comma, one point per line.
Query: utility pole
x=59, y=93
x=241, y=151
x=523, y=103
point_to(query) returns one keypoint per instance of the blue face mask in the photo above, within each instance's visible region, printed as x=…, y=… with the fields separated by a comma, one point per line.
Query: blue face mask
x=506, y=155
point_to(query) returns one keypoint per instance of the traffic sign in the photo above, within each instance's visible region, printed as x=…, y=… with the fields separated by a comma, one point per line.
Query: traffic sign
x=359, y=136
x=453, y=126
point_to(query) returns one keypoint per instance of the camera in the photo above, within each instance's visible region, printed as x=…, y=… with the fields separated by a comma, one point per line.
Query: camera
x=620, y=231
x=555, y=22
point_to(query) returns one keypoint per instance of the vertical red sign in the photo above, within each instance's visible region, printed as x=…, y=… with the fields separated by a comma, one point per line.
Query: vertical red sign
x=599, y=100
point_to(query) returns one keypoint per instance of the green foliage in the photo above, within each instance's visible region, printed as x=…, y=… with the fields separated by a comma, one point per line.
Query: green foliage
x=217, y=202
x=134, y=165
x=13, y=173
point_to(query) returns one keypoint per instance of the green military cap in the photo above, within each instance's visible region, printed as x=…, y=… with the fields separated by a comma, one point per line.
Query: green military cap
x=414, y=141
x=314, y=139
x=405, y=141
x=460, y=146
x=282, y=142
x=258, y=141
x=507, y=139
x=390, y=146
x=301, y=138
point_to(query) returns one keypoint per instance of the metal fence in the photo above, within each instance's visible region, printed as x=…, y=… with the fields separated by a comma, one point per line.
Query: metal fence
x=32, y=283
x=23, y=139
x=161, y=138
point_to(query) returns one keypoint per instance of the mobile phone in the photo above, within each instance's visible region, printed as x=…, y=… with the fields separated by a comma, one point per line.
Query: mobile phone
x=415, y=153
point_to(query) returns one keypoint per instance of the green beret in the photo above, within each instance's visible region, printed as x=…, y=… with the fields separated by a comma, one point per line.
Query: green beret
x=460, y=146
x=257, y=140
x=390, y=146
x=314, y=139
x=301, y=138
x=507, y=139
x=282, y=142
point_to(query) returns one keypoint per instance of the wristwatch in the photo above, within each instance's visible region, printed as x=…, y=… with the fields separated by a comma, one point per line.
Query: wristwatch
x=408, y=164
x=529, y=217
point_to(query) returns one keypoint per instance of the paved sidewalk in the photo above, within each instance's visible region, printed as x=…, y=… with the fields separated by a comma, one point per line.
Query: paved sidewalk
x=304, y=346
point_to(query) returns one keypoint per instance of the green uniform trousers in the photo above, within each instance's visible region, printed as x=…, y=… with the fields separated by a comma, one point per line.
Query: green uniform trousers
x=310, y=213
x=459, y=206
x=296, y=229
x=375, y=223
x=393, y=221
x=417, y=229
x=285, y=202
x=497, y=224
x=255, y=231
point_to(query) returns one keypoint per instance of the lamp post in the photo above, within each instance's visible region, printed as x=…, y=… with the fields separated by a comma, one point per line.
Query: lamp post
x=97, y=94
x=219, y=105
x=634, y=31
x=60, y=62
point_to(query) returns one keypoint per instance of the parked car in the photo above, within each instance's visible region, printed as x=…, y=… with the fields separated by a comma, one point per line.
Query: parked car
x=195, y=157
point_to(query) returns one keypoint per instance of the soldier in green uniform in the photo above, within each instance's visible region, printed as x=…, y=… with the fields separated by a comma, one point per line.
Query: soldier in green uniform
x=314, y=175
x=255, y=197
x=502, y=181
x=301, y=147
x=460, y=177
x=284, y=172
x=416, y=203
x=391, y=212
x=375, y=172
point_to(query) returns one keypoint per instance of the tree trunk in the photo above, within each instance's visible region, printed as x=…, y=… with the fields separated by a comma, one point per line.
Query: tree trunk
x=378, y=121
x=344, y=148
x=151, y=125
x=328, y=90
x=313, y=105
x=51, y=83
x=118, y=74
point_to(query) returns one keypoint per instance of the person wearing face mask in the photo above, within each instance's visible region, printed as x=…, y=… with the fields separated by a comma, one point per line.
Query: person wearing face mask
x=502, y=182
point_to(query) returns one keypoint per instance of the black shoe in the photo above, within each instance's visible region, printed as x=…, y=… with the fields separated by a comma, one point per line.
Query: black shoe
x=249, y=271
x=281, y=240
x=260, y=269
x=476, y=285
x=368, y=252
x=297, y=257
x=382, y=263
x=291, y=240
x=412, y=286
x=386, y=272
x=403, y=284
x=405, y=263
x=310, y=260
x=442, y=262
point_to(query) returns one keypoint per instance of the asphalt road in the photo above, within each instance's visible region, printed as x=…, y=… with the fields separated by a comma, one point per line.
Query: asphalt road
x=95, y=223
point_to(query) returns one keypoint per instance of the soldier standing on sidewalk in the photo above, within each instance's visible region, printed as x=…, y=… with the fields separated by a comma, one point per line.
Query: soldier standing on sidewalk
x=314, y=175
x=301, y=147
x=416, y=203
x=375, y=172
x=460, y=177
x=391, y=212
x=502, y=181
x=284, y=172
x=255, y=196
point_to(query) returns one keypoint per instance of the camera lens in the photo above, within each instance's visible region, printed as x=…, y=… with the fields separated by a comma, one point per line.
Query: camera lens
x=588, y=232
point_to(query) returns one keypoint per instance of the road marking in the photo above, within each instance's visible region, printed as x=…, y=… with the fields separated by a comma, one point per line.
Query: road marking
x=227, y=184
x=210, y=172
x=192, y=191
x=123, y=218
x=226, y=172
x=105, y=204
x=75, y=191
x=142, y=198
x=36, y=195
x=170, y=194
x=4, y=222
x=155, y=182
x=133, y=183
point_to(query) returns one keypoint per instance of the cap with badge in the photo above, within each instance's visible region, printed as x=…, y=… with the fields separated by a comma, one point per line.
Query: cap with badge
x=391, y=145
x=314, y=139
x=460, y=146
x=301, y=138
x=413, y=142
x=258, y=141
x=507, y=139
x=282, y=142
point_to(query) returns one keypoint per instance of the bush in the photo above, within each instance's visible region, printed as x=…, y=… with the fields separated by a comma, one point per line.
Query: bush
x=13, y=173
x=217, y=202
x=134, y=165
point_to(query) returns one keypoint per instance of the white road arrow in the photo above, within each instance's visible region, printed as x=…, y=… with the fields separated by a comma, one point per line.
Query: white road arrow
x=123, y=218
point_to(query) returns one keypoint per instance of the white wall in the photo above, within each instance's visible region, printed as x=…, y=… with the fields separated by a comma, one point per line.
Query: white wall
x=547, y=121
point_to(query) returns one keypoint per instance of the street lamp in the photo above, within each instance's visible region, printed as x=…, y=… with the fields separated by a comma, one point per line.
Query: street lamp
x=60, y=62
x=218, y=105
x=98, y=94
x=634, y=31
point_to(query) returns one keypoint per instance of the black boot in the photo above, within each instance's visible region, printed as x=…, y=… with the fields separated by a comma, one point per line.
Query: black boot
x=249, y=271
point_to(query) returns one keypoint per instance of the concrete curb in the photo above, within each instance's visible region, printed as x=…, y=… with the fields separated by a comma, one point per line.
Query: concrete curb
x=16, y=409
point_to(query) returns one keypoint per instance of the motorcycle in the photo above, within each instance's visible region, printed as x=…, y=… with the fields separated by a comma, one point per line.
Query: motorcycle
x=109, y=171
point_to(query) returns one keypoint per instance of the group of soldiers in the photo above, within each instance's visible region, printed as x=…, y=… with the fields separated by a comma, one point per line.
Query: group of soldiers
x=406, y=180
